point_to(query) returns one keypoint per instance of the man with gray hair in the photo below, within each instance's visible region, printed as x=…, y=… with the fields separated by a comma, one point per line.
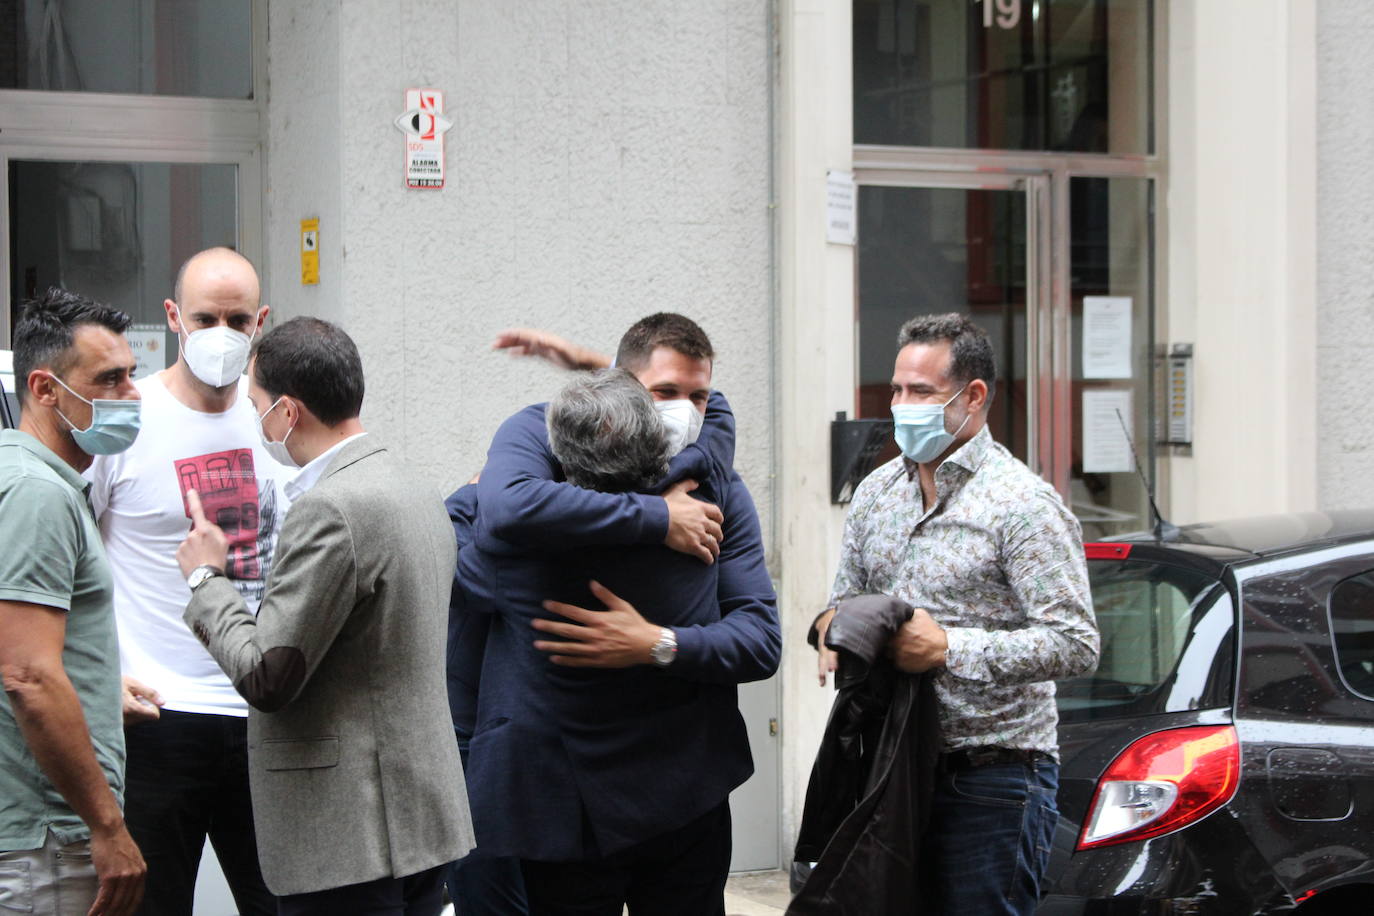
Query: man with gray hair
x=605, y=432
x=606, y=775
x=990, y=561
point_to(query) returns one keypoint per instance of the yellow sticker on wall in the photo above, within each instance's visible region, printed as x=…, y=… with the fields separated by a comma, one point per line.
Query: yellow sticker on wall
x=310, y=252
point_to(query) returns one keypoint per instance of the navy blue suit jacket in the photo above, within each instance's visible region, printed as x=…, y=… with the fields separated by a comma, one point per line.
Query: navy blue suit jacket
x=568, y=763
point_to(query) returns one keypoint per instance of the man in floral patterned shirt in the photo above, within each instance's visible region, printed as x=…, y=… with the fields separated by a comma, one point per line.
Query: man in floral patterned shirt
x=992, y=561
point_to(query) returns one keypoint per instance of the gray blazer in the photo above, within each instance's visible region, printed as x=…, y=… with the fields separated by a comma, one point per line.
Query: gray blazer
x=352, y=758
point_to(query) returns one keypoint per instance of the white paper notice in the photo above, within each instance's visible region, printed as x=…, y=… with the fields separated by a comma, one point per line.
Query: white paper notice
x=839, y=207
x=1106, y=336
x=1106, y=450
x=149, y=343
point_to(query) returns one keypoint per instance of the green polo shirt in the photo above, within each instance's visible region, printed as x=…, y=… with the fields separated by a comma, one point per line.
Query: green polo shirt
x=50, y=554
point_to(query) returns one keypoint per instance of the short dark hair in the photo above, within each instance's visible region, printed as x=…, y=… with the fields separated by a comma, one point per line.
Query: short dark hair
x=606, y=433
x=970, y=351
x=314, y=362
x=46, y=330
x=662, y=329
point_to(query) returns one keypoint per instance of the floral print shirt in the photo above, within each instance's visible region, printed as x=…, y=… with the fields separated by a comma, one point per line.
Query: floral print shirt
x=998, y=562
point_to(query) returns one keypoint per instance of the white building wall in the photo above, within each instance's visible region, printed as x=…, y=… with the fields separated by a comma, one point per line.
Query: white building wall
x=608, y=160
x=1241, y=252
x=1345, y=238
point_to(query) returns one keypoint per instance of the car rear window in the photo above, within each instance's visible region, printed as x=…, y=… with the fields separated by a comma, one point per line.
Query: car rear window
x=1167, y=642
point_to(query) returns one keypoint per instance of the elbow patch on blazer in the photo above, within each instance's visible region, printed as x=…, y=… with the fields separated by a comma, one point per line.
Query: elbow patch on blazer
x=275, y=679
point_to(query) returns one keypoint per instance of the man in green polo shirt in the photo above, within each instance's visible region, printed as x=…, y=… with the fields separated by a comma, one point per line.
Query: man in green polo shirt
x=64, y=849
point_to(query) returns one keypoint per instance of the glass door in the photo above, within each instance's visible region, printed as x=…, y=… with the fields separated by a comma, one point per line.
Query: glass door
x=1058, y=269
x=116, y=232
x=952, y=244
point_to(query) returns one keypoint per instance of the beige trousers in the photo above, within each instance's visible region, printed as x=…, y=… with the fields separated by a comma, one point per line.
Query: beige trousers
x=53, y=880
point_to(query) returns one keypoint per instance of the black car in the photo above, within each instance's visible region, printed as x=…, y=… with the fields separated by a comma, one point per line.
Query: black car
x=1221, y=758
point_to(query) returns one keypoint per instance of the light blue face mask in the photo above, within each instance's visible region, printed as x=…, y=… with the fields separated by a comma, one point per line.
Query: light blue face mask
x=920, y=429
x=114, y=424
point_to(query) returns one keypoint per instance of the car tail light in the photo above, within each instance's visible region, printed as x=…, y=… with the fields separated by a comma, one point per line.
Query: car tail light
x=1101, y=551
x=1163, y=782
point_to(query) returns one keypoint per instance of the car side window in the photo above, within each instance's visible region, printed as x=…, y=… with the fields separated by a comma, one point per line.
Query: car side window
x=1352, y=631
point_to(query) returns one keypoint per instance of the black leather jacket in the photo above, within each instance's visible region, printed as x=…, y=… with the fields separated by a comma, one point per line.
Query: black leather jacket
x=868, y=800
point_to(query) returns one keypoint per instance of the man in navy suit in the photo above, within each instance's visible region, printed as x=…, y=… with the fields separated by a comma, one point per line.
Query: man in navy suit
x=606, y=745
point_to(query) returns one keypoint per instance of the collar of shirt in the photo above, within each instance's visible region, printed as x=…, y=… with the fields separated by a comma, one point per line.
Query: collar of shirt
x=47, y=456
x=968, y=456
x=312, y=472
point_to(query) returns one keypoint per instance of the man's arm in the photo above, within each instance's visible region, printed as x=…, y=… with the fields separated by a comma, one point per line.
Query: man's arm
x=851, y=578
x=526, y=505
x=1044, y=564
x=270, y=658
x=746, y=643
x=48, y=713
x=550, y=347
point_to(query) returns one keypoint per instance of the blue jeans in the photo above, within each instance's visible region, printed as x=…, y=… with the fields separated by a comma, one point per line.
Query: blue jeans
x=989, y=837
x=490, y=886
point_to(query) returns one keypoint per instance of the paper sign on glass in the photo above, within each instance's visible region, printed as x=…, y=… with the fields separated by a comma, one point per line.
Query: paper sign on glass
x=1106, y=417
x=1106, y=336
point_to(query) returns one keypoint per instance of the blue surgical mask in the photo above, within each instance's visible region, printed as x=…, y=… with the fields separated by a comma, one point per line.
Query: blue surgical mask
x=114, y=424
x=920, y=429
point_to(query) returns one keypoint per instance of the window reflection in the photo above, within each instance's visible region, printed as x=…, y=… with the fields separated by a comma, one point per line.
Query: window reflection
x=1059, y=75
x=144, y=47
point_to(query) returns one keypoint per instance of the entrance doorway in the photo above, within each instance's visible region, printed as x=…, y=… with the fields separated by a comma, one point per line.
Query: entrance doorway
x=1056, y=265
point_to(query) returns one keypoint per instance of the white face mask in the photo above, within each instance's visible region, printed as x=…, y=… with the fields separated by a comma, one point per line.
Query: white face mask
x=681, y=421
x=277, y=450
x=217, y=356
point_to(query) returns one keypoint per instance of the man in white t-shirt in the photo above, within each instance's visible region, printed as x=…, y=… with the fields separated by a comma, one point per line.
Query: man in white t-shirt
x=185, y=725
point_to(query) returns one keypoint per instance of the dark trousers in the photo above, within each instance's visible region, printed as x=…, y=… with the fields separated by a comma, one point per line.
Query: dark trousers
x=187, y=778
x=678, y=873
x=988, y=842
x=490, y=886
x=420, y=894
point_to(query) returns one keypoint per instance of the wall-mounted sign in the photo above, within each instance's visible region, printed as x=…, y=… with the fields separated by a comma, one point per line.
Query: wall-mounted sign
x=1107, y=336
x=149, y=343
x=310, y=252
x=424, y=124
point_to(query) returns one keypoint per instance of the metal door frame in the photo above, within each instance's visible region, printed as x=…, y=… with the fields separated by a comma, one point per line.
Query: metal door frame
x=114, y=127
x=1045, y=179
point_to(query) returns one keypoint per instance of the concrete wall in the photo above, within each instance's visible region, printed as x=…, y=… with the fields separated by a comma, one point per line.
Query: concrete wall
x=608, y=160
x=1345, y=237
x=1242, y=253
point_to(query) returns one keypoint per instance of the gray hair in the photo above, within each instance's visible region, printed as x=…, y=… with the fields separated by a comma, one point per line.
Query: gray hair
x=605, y=431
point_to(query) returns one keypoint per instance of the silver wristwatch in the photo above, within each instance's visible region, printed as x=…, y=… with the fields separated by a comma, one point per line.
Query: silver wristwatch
x=665, y=650
x=202, y=574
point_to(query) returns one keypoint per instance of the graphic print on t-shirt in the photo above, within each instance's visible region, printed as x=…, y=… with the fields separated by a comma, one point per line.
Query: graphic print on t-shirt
x=230, y=495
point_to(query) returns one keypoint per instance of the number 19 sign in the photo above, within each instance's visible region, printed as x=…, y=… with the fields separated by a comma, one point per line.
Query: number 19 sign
x=424, y=124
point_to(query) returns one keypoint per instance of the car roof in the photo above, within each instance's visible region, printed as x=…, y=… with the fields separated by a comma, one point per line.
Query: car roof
x=1262, y=535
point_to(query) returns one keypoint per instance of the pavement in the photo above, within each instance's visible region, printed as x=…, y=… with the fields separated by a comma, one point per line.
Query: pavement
x=757, y=893
x=753, y=893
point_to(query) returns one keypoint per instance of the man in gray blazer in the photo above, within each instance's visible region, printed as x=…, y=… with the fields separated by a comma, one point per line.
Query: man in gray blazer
x=358, y=794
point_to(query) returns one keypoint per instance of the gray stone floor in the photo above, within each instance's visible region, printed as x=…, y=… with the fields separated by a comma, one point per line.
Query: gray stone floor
x=758, y=893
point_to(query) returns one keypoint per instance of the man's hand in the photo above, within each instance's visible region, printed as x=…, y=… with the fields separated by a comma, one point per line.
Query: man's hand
x=919, y=645
x=206, y=545
x=141, y=702
x=550, y=347
x=617, y=637
x=693, y=525
x=120, y=868
x=827, y=659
